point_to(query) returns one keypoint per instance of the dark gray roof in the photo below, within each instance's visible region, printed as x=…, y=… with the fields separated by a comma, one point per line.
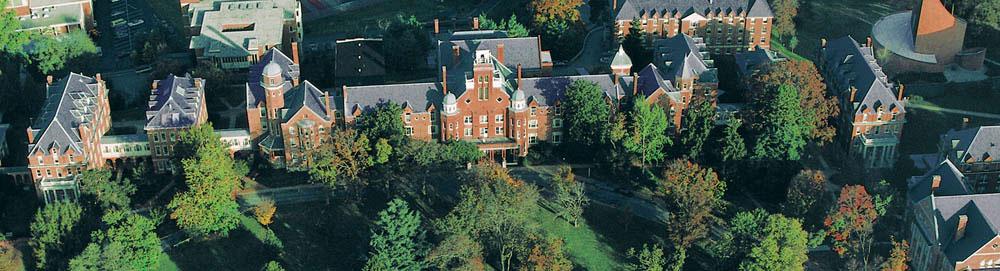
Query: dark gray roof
x=747, y=62
x=650, y=80
x=952, y=183
x=548, y=90
x=71, y=102
x=176, y=102
x=305, y=95
x=681, y=56
x=418, y=96
x=855, y=65
x=524, y=51
x=290, y=70
x=475, y=35
x=359, y=58
x=977, y=144
x=681, y=8
x=981, y=227
x=3, y=135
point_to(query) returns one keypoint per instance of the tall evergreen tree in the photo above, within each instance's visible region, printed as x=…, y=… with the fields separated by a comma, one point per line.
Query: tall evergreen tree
x=784, y=127
x=648, y=132
x=397, y=240
x=698, y=123
x=587, y=114
x=51, y=230
x=733, y=146
x=208, y=206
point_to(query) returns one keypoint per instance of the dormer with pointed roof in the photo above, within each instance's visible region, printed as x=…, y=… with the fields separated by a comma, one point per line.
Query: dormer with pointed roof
x=176, y=102
x=622, y=63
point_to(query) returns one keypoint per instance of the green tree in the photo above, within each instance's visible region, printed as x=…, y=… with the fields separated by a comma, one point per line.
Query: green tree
x=340, y=163
x=784, y=18
x=634, y=45
x=698, y=123
x=691, y=193
x=397, y=240
x=457, y=252
x=51, y=231
x=733, y=148
x=804, y=192
x=648, y=134
x=986, y=13
x=107, y=192
x=569, y=195
x=495, y=209
x=12, y=41
x=406, y=43
x=384, y=121
x=513, y=28
x=851, y=223
x=814, y=100
x=208, y=206
x=460, y=152
x=128, y=243
x=273, y=266
x=784, y=127
x=52, y=54
x=383, y=150
x=650, y=258
x=587, y=114
x=769, y=241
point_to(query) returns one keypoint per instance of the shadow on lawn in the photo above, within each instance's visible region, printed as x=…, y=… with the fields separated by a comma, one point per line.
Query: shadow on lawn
x=620, y=229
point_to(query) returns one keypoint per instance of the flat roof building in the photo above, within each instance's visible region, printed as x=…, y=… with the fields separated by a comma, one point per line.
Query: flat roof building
x=53, y=16
x=236, y=34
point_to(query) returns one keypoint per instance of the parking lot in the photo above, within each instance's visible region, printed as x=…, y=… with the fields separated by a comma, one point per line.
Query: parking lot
x=123, y=25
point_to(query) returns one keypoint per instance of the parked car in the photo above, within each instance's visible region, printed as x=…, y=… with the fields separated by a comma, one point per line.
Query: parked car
x=136, y=22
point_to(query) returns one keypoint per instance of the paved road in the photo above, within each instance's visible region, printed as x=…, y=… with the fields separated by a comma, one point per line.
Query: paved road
x=594, y=46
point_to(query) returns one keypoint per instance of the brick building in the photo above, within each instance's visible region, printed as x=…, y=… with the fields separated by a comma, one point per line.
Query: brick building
x=952, y=228
x=872, y=115
x=287, y=118
x=971, y=151
x=175, y=105
x=455, y=51
x=728, y=26
x=65, y=138
x=53, y=16
x=236, y=34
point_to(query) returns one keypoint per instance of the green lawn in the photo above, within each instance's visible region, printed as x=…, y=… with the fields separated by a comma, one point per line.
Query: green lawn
x=582, y=244
x=832, y=19
x=366, y=20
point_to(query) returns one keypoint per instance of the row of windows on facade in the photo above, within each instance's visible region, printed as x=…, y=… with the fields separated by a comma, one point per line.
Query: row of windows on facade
x=70, y=171
x=55, y=159
x=880, y=129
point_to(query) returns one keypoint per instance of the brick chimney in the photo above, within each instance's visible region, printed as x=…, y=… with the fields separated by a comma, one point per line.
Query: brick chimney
x=155, y=84
x=635, y=84
x=295, y=52
x=437, y=26
x=444, y=80
x=935, y=182
x=518, y=76
x=500, y=53
x=456, y=54
x=31, y=135
x=329, y=105
x=963, y=222
x=854, y=91
x=899, y=96
x=965, y=122
x=475, y=23
x=868, y=42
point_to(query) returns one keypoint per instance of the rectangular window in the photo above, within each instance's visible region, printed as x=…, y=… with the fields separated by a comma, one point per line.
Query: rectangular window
x=534, y=110
x=484, y=93
x=532, y=138
x=532, y=124
x=484, y=131
x=499, y=130
x=499, y=118
x=483, y=119
x=468, y=131
x=407, y=117
x=468, y=119
x=556, y=123
x=408, y=130
x=556, y=137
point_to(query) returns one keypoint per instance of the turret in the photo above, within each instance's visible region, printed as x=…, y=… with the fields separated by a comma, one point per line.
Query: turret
x=273, y=83
x=622, y=63
x=518, y=101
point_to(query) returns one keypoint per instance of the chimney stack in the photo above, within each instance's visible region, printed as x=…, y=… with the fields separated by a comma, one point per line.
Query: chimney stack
x=98, y=77
x=156, y=83
x=822, y=43
x=965, y=122
x=868, y=42
x=295, y=52
x=475, y=23
x=456, y=53
x=854, y=91
x=48, y=79
x=444, y=80
x=329, y=105
x=935, y=183
x=500, y=52
x=899, y=96
x=963, y=221
x=519, y=76
x=31, y=135
x=635, y=84
x=437, y=26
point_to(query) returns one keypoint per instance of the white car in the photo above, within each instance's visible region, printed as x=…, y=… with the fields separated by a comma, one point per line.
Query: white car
x=136, y=22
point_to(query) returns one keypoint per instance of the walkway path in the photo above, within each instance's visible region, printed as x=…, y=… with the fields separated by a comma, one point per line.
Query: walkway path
x=232, y=113
x=953, y=111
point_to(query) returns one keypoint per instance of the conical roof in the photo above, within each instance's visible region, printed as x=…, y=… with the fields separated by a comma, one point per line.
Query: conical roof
x=931, y=17
x=621, y=60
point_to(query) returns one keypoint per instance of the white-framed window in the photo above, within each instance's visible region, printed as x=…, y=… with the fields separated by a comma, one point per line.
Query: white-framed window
x=484, y=131
x=499, y=130
x=557, y=137
x=532, y=124
x=534, y=110
x=408, y=130
x=532, y=138
x=499, y=118
x=484, y=119
x=556, y=123
x=41, y=161
x=468, y=131
x=407, y=117
x=468, y=119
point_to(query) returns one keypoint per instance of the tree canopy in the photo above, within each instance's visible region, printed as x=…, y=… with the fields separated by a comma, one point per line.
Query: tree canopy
x=768, y=241
x=648, y=132
x=814, y=100
x=12, y=41
x=569, y=195
x=547, y=11
x=699, y=120
x=587, y=114
x=108, y=192
x=513, y=28
x=208, y=206
x=51, y=230
x=128, y=243
x=783, y=127
x=384, y=121
x=691, y=193
x=733, y=146
x=406, y=43
x=340, y=163
x=51, y=54
x=806, y=194
x=397, y=239
x=851, y=223
x=784, y=18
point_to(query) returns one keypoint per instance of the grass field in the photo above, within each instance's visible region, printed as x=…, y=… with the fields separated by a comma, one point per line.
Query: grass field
x=832, y=19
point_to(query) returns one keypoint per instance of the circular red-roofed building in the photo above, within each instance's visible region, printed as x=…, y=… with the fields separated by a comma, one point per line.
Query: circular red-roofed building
x=927, y=39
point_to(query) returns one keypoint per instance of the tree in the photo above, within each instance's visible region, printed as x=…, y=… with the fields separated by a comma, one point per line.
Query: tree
x=384, y=121
x=698, y=124
x=547, y=11
x=898, y=257
x=784, y=18
x=587, y=114
x=769, y=241
x=634, y=45
x=691, y=193
x=784, y=127
x=813, y=97
x=406, y=43
x=264, y=212
x=986, y=13
x=341, y=162
x=457, y=252
x=208, y=206
x=513, y=28
x=52, y=54
x=804, y=191
x=569, y=195
x=54, y=224
x=851, y=222
x=12, y=41
x=495, y=209
x=648, y=134
x=383, y=150
x=107, y=192
x=733, y=146
x=397, y=239
x=273, y=266
x=650, y=258
x=128, y=243
x=548, y=255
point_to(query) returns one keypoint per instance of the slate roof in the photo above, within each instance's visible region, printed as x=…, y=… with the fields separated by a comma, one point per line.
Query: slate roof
x=524, y=51
x=3, y=137
x=547, y=90
x=305, y=95
x=852, y=63
x=630, y=9
x=176, y=102
x=650, y=80
x=71, y=102
x=681, y=56
x=747, y=62
x=977, y=144
x=359, y=57
x=418, y=96
x=290, y=70
x=952, y=183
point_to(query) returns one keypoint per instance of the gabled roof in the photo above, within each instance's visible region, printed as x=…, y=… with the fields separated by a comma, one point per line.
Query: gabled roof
x=681, y=56
x=305, y=95
x=747, y=62
x=548, y=90
x=176, y=102
x=977, y=144
x=982, y=225
x=931, y=17
x=71, y=102
x=650, y=80
x=290, y=70
x=856, y=66
x=524, y=51
x=419, y=96
x=952, y=183
x=682, y=8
